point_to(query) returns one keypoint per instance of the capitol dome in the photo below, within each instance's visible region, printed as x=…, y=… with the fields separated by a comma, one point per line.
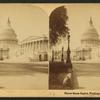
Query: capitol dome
x=8, y=33
x=91, y=33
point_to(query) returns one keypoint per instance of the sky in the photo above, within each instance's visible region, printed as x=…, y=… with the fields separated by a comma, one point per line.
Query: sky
x=26, y=20
x=33, y=19
x=79, y=16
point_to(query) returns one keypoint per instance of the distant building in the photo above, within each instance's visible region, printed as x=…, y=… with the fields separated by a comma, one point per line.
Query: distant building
x=88, y=50
x=90, y=45
x=35, y=48
x=8, y=42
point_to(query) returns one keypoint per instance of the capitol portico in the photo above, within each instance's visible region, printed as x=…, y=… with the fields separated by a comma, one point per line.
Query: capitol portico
x=35, y=48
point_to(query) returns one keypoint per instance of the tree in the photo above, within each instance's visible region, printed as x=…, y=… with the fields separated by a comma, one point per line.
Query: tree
x=58, y=26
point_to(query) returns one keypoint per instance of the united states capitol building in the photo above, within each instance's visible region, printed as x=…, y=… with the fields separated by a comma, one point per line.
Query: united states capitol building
x=90, y=45
x=89, y=49
x=34, y=48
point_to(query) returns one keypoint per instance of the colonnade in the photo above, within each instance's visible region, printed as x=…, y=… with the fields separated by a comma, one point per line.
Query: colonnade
x=34, y=48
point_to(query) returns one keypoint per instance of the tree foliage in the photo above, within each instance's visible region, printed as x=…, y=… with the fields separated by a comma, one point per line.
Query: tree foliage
x=57, y=24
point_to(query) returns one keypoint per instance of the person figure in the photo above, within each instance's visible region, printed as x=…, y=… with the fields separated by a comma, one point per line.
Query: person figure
x=70, y=80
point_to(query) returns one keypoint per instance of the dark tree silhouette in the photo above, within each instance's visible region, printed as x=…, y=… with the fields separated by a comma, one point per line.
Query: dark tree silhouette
x=59, y=29
x=58, y=25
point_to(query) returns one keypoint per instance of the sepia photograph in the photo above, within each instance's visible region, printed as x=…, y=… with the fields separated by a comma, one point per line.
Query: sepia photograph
x=23, y=47
x=74, y=37
x=49, y=50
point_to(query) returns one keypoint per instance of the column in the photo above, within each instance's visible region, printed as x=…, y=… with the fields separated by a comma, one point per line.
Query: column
x=33, y=46
x=31, y=49
x=26, y=48
x=40, y=45
x=37, y=46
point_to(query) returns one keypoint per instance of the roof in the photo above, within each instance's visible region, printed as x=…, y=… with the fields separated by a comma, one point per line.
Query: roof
x=34, y=38
x=91, y=33
x=8, y=33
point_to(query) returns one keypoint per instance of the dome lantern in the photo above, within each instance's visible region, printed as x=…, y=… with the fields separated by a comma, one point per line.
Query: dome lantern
x=8, y=22
x=91, y=22
x=91, y=33
x=8, y=33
